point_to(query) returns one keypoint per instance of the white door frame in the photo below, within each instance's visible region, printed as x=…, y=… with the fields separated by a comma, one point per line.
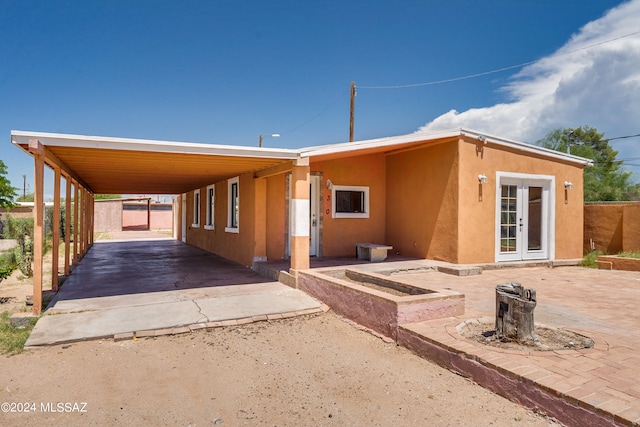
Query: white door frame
x=523, y=182
x=314, y=215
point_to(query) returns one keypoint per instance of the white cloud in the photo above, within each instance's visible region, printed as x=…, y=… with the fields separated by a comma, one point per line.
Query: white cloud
x=598, y=86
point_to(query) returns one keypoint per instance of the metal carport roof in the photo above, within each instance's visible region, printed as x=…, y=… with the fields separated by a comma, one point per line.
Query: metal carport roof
x=132, y=166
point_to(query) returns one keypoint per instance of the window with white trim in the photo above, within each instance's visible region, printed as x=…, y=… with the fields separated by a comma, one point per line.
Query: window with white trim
x=196, y=208
x=233, y=205
x=211, y=199
x=350, y=201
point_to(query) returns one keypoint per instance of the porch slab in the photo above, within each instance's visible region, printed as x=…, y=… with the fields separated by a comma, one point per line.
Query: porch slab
x=129, y=287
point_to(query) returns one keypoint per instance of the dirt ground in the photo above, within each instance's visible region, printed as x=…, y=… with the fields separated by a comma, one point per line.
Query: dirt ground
x=306, y=371
x=547, y=338
x=13, y=292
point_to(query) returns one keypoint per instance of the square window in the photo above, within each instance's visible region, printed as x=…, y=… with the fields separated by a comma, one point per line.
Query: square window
x=350, y=202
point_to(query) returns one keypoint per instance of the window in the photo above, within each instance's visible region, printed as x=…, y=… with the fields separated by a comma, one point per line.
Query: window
x=211, y=197
x=233, y=206
x=350, y=202
x=196, y=209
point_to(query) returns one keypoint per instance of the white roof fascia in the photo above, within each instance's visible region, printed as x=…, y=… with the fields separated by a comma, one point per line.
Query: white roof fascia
x=374, y=143
x=523, y=146
x=426, y=136
x=107, y=143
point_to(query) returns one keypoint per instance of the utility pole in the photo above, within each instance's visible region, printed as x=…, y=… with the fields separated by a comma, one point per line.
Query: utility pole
x=24, y=187
x=353, y=106
x=569, y=138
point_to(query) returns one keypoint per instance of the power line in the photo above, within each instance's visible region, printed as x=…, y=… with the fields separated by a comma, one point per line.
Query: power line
x=623, y=137
x=471, y=76
x=317, y=115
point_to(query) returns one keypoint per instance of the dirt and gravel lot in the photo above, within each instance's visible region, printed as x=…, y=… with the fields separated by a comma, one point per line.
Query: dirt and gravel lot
x=306, y=371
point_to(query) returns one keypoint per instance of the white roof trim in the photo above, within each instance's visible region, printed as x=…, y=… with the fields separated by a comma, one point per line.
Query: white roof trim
x=427, y=136
x=81, y=141
x=523, y=146
x=107, y=143
x=374, y=143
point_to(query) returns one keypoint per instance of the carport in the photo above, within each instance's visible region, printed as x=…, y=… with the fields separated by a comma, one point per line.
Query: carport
x=101, y=165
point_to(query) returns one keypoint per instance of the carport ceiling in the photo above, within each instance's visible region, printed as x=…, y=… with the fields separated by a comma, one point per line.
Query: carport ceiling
x=131, y=166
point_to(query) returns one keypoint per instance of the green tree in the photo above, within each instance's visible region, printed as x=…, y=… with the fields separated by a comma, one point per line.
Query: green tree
x=7, y=192
x=29, y=197
x=607, y=179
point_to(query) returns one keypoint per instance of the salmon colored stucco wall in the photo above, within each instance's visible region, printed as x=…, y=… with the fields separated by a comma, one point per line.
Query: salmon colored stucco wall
x=422, y=199
x=612, y=227
x=108, y=215
x=238, y=247
x=339, y=235
x=477, y=218
x=276, y=217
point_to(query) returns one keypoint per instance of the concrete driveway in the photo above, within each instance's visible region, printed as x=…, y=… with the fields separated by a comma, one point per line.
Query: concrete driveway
x=145, y=287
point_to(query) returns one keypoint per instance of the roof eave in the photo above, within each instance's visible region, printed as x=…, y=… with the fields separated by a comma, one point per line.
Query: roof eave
x=530, y=148
x=21, y=138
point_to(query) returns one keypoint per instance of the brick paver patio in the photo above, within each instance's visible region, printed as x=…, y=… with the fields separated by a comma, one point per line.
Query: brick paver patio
x=596, y=386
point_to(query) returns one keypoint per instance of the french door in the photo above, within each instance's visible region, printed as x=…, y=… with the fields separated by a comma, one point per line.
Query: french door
x=524, y=219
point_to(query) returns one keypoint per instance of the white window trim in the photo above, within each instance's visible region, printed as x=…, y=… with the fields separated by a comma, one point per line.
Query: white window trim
x=211, y=210
x=229, y=228
x=335, y=214
x=196, y=209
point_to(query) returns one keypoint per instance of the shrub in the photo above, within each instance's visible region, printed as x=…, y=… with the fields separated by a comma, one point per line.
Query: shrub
x=590, y=260
x=21, y=229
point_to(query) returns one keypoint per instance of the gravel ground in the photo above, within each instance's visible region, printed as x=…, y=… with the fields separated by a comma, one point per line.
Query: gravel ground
x=309, y=371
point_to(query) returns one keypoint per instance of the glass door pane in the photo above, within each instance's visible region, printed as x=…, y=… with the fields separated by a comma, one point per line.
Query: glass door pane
x=509, y=219
x=534, y=219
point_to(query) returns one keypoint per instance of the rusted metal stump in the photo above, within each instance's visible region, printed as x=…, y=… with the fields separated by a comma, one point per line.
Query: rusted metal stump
x=514, y=313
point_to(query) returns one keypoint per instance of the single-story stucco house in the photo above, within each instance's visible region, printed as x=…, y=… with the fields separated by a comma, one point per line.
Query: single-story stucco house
x=459, y=196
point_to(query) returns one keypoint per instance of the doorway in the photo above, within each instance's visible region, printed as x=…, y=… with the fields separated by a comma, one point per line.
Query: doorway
x=524, y=218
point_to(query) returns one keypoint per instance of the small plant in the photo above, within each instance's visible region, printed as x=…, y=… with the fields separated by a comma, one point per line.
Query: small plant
x=5, y=272
x=7, y=264
x=590, y=260
x=12, y=339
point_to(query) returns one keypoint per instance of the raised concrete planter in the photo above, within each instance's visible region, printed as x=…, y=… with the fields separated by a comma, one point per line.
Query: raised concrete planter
x=614, y=262
x=374, y=308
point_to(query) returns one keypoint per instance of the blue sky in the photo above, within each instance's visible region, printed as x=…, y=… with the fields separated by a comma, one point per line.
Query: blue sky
x=224, y=71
